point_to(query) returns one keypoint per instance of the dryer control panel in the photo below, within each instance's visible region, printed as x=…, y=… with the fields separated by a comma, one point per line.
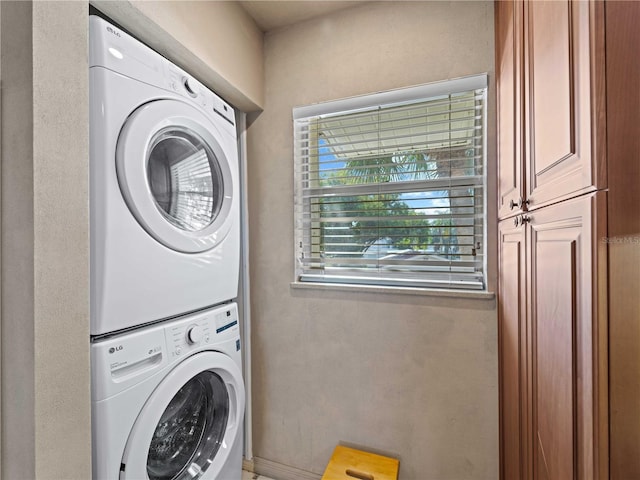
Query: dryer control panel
x=112, y=48
x=181, y=82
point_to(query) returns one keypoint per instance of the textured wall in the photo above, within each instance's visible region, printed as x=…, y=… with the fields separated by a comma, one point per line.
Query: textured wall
x=215, y=41
x=61, y=238
x=45, y=242
x=18, y=428
x=412, y=375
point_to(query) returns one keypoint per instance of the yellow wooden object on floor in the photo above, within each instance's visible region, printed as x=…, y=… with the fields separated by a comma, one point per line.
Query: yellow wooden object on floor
x=351, y=464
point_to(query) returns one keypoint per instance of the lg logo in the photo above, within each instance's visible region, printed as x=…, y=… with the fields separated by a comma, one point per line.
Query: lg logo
x=111, y=30
x=115, y=349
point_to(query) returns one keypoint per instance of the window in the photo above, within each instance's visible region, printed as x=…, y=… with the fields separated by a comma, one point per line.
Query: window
x=390, y=187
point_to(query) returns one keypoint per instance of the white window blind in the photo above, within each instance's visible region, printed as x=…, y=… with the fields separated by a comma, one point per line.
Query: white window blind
x=390, y=187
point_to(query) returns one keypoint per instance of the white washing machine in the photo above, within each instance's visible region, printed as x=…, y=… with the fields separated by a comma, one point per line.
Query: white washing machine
x=164, y=187
x=168, y=400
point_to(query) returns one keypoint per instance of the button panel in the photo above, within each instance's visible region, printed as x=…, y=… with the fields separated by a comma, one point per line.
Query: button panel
x=189, y=87
x=180, y=340
x=183, y=84
x=201, y=331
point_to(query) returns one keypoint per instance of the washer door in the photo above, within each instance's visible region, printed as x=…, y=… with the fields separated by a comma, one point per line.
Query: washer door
x=189, y=424
x=174, y=175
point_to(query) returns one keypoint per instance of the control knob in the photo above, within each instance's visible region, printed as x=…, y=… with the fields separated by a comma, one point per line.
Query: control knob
x=190, y=86
x=194, y=334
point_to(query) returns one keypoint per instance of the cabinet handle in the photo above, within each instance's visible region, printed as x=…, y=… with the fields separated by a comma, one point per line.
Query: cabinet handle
x=521, y=220
x=520, y=203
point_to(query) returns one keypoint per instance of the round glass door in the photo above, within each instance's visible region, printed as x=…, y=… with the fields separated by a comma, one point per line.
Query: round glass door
x=178, y=175
x=185, y=179
x=190, y=430
x=191, y=422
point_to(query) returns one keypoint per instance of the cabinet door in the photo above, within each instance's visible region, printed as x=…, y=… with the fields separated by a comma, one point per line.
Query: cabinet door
x=562, y=104
x=512, y=337
x=509, y=16
x=562, y=340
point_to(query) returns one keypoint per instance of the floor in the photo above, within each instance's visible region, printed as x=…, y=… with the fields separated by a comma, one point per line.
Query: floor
x=252, y=476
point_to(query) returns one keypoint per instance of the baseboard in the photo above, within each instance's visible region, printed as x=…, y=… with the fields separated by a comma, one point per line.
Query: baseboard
x=278, y=471
x=247, y=465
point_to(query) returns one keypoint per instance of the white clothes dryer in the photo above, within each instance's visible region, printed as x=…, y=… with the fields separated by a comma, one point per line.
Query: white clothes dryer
x=164, y=188
x=168, y=400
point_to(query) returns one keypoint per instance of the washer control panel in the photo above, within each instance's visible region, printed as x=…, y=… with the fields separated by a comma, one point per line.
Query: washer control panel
x=201, y=330
x=123, y=360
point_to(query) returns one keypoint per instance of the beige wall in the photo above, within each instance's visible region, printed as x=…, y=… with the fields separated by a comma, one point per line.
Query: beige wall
x=411, y=375
x=45, y=245
x=216, y=41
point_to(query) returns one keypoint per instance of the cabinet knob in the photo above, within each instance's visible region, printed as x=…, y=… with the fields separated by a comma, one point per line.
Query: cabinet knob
x=521, y=220
x=520, y=203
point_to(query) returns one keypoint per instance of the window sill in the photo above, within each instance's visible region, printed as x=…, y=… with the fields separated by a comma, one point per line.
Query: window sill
x=434, y=292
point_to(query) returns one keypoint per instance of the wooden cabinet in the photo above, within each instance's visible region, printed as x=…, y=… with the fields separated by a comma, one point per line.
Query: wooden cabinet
x=549, y=354
x=563, y=347
x=550, y=71
x=563, y=122
x=512, y=339
x=552, y=295
x=509, y=44
x=569, y=267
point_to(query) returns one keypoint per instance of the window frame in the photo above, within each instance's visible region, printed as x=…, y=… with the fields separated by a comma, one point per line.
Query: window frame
x=404, y=96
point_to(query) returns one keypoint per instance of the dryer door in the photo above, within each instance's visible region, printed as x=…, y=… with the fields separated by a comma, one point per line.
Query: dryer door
x=175, y=176
x=189, y=424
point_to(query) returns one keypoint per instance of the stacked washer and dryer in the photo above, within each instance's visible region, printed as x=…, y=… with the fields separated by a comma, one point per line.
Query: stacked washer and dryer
x=167, y=390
